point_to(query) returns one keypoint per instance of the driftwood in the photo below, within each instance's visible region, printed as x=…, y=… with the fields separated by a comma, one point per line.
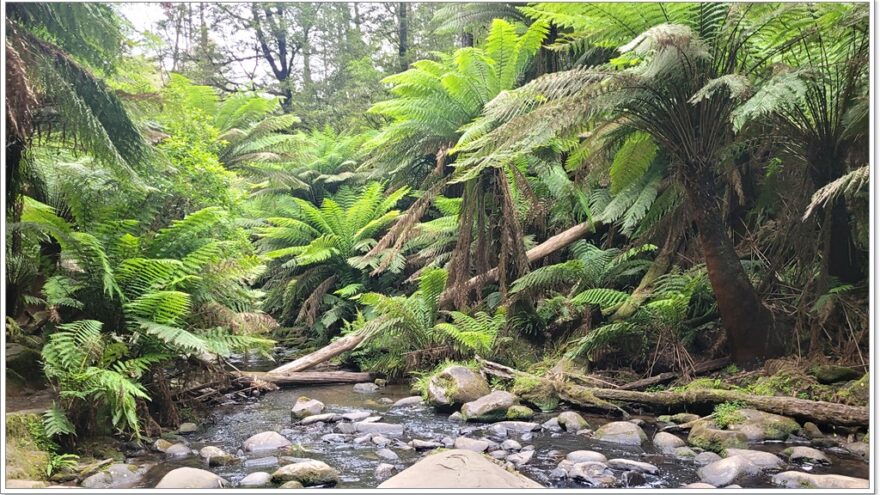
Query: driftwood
x=704, y=367
x=349, y=342
x=311, y=377
x=604, y=399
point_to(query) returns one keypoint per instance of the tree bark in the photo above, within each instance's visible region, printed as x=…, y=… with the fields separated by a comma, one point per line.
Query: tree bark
x=326, y=353
x=748, y=324
x=402, y=34
x=311, y=377
x=659, y=267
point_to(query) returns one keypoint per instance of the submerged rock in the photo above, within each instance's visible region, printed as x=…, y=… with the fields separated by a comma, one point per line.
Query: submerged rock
x=366, y=388
x=517, y=427
x=305, y=406
x=595, y=474
x=187, y=477
x=321, y=418
x=457, y=469
x=387, y=454
x=490, y=407
x=117, y=476
x=621, y=433
x=267, y=440
x=309, y=473
x=376, y=427
x=456, y=385
x=384, y=471
x=415, y=400
x=797, y=479
x=728, y=470
x=215, y=456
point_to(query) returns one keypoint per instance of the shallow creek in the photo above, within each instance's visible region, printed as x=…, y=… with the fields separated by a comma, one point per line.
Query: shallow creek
x=356, y=463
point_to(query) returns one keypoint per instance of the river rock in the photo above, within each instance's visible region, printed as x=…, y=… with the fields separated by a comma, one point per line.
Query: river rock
x=267, y=440
x=456, y=385
x=728, y=470
x=456, y=416
x=384, y=471
x=621, y=433
x=759, y=425
x=178, y=450
x=381, y=428
x=292, y=485
x=521, y=458
x=687, y=453
x=309, y=473
x=715, y=440
x=490, y=407
x=215, y=456
x=571, y=421
x=860, y=449
x=366, y=388
x=457, y=469
x=551, y=425
x=187, y=428
x=117, y=476
x=511, y=445
x=187, y=477
x=499, y=454
x=387, y=454
x=415, y=400
x=518, y=411
x=517, y=427
x=384, y=401
x=667, y=442
x=161, y=444
x=261, y=462
x=595, y=474
x=320, y=418
x=333, y=438
x=704, y=458
x=585, y=456
x=797, y=479
x=305, y=406
x=380, y=440
x=630, y=465
x=698, y=485
x=471, y=444
x=255, y=480
x=812, y=431
x=764, y=460
x=419, y=444
x=25, y=484
x=806, y=455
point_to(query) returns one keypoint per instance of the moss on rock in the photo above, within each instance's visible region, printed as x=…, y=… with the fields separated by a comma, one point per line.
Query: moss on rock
x=537, y=391
x=27, y=449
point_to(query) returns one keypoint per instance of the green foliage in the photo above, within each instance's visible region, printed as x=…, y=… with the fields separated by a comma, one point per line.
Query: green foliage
x=727, y=414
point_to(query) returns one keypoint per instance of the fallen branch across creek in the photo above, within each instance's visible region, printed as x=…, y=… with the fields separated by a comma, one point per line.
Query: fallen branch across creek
x=311, y=377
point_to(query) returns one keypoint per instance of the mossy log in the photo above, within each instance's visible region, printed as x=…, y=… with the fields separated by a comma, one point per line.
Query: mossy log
x=604, y=399
x=311, y=377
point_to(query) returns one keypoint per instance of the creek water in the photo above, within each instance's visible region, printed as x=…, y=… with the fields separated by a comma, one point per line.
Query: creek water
x=229, y=426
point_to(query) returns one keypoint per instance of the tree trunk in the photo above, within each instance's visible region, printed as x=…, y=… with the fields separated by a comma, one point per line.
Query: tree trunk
x=402, y=34
x=311, y=377
x=659, y=267
x=326, y=353
x=748, y=324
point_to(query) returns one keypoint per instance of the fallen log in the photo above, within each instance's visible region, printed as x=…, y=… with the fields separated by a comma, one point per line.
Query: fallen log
x=325, y=353
x=348, y=343
x=704, y=367
x=311, y=377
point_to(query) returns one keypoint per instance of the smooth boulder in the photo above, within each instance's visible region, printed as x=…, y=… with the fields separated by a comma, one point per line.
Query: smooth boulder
x=585, y=456
x=764, y=460
x=702, y=435
x=116, y=476
x=471, y=444
x=415, y=400
x=457, y=469
x=456, y=385
x=215, y=456
x=255, y=480
x=309, y=473
x=806, y=455
x=758, y=426
x=187, y=477
x=492, y=406
x=621, y=433
x=267, y=440
x=572, y=421
x=305, y=406
x=366, y=388
x=798, y=479
x=667, y=442
x=728, y=470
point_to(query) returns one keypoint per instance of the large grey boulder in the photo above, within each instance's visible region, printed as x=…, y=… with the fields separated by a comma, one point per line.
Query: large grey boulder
x=116, y=476
x=667, y=442
x=621, y=433
x=798, y=479
x=728, y=470
x=808, y=455
x=267, y=440
x=309, y=473
x=764, y=460
x=457, y=469
x=187, y=477
x=456, y=385
x=305, y=406
x=758, y=426
x=572, y=421
x=490, y=407
x=704, y=436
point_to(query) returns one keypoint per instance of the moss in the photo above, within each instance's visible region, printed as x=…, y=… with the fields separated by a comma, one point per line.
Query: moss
x=535, y=390
x=790, y=381
x=704, y=384
x=855, y=393
x=727, y=414
x=519, y=412
x=28, y=451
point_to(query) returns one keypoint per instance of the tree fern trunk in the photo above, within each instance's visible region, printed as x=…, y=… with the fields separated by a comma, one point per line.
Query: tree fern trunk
x=748, y=324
